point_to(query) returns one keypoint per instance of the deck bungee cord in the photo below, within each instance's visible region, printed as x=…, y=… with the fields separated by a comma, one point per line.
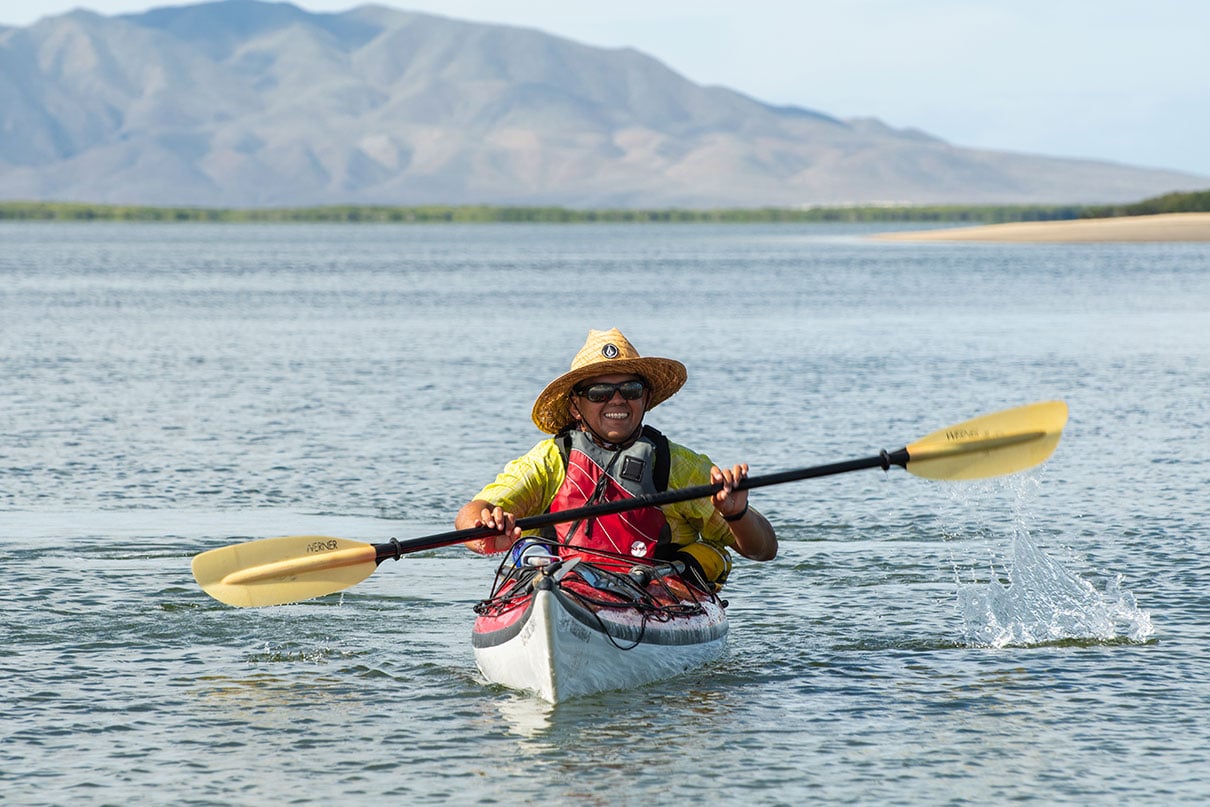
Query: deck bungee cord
x=520, y=574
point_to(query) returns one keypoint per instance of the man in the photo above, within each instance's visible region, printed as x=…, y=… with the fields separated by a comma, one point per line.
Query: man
x=602, y=452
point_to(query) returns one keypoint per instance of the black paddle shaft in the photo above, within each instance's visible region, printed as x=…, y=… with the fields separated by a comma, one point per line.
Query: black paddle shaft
x=394, y=549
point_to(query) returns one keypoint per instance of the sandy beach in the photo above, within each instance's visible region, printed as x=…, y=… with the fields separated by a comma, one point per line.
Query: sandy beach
x=1164, y=227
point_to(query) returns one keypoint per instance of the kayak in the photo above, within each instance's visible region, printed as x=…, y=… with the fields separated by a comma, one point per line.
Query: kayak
x=567, y=627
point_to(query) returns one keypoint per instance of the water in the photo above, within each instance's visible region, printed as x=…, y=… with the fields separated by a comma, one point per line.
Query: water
x=168, y=389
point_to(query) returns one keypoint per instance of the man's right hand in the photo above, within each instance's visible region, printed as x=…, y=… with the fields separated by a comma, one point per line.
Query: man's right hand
x=477, y=514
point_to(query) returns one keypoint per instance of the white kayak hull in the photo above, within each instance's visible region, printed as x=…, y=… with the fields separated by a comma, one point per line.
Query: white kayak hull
x=559, y=648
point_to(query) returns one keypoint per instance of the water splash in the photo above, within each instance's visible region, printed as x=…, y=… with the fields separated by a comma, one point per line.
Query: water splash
x=1043, y=602
x=1035, y=599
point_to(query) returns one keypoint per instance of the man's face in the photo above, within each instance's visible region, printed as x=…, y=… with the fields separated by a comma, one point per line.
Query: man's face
x=616, y=418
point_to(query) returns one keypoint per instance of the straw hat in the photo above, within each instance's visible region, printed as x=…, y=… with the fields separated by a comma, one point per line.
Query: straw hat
x=605, y=353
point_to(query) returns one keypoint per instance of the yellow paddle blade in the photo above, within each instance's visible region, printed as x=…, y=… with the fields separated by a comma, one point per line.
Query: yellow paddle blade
x=274, y=571
x=991, y=445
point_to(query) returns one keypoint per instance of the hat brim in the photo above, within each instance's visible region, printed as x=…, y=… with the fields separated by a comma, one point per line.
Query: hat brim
x=552, y=410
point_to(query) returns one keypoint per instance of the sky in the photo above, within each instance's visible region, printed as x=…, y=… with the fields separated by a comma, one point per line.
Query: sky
x=1126, y=81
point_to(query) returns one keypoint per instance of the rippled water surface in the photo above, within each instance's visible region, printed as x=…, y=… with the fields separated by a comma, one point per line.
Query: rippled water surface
x=169, y=389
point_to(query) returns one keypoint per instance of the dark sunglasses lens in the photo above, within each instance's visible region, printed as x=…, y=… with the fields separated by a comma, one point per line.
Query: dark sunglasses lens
x=631, y=390
x=600, y=393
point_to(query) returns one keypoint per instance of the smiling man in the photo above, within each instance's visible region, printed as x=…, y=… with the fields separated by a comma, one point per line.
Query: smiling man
x=601, y=451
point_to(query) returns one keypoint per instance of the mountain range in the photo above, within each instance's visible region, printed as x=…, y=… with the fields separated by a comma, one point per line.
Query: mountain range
x=242, y=103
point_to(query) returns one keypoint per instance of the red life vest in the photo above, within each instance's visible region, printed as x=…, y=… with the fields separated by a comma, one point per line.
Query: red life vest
x=597, y=474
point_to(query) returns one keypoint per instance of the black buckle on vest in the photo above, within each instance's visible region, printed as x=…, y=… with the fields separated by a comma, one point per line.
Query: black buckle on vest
x=632, y=469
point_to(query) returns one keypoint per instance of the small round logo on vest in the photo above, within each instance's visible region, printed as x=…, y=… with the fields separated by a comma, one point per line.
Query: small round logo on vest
x=610, y=351
x=638, y=549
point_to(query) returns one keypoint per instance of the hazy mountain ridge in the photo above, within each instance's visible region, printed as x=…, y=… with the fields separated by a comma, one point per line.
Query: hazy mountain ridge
x=243, y=103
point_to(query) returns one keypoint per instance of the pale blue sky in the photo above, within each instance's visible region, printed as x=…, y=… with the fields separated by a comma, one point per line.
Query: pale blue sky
x=1120, y=80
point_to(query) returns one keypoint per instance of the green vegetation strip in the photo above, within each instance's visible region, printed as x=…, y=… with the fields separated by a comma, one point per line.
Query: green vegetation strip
x=1191, y=202
x=987, y=214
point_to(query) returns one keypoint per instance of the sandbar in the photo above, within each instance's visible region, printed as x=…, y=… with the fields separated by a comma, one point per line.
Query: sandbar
x=1160, y=227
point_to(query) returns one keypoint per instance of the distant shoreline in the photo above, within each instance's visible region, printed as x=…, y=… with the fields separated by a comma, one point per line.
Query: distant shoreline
x=423, y=214
x=1162, y=227
x=1178, y=216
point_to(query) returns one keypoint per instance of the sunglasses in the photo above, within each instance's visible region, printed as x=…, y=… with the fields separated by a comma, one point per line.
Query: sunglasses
x=602, y=392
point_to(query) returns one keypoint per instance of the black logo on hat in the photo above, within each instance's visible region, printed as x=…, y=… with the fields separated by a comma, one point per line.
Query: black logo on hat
x=610, y=351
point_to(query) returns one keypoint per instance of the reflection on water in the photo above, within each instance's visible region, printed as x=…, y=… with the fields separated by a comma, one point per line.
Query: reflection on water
x=525, y=716
x=697, y=708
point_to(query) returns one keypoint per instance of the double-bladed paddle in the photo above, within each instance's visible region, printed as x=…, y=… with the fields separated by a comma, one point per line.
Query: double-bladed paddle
x=275, y=571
